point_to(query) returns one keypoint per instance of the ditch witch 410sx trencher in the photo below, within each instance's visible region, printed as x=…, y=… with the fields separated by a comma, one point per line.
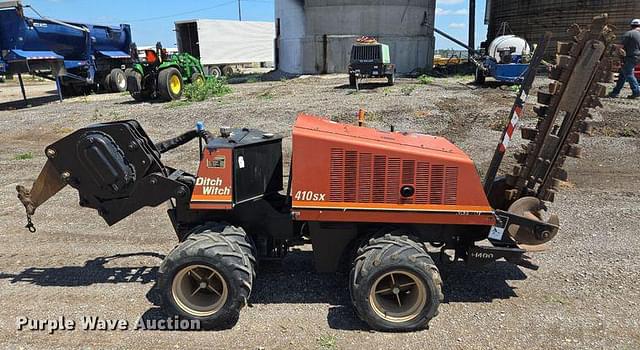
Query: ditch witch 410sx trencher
x=371, y=201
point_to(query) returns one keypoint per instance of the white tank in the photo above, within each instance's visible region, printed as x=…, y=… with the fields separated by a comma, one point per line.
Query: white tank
x=506, y=41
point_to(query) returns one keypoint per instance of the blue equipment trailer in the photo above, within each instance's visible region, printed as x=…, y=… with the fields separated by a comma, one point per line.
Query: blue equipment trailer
x=77, y=56
x=503, y=72
x=511, y=68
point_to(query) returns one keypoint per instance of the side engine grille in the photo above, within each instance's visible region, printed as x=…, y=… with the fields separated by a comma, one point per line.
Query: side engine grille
x=372, y=178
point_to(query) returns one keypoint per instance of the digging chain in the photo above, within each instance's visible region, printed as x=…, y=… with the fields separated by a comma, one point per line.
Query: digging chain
x=581, y=67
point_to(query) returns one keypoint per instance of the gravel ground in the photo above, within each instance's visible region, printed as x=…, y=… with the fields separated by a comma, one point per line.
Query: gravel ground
x=585, y=295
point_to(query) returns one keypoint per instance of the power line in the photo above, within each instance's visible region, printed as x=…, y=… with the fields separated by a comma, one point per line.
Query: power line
x=191, y=11
x=180, y=13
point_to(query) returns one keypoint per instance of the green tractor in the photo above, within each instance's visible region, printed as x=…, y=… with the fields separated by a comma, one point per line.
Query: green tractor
x=370, y=59
x=160, y=76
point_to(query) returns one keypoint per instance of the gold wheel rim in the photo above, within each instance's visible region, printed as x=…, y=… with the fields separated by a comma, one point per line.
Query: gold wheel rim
x=199, y=80
x=175, y=84
x=199, y=290
x=398, y=296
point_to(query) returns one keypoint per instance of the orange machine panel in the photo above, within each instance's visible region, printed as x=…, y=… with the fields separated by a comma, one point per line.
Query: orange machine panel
x=214, y=181
x=356, y=174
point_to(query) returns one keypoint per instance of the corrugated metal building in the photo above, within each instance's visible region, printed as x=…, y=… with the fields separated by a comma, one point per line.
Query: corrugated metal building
x=531, y=18
x=315, y=36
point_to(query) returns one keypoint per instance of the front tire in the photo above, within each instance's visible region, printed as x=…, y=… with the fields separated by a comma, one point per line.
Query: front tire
x=394, y=284
x=207, y=278
x=197, y=78
x=170, y=84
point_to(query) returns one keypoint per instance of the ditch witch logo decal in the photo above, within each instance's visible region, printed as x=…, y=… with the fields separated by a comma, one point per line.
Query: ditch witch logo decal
x=213, y=187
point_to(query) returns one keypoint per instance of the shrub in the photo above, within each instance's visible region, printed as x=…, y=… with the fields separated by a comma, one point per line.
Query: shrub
x=425, y=79
x=204, y=91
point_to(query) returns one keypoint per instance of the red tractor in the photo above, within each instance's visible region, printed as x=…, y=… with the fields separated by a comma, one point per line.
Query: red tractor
x=378, y=203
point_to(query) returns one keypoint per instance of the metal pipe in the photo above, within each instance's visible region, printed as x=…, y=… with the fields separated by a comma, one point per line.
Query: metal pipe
x=83, y=29
x=475, y=52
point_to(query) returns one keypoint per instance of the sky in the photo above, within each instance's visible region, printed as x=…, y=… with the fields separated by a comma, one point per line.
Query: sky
x=152, y=20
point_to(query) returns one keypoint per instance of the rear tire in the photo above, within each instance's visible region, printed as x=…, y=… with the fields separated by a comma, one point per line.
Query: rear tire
x=170, y=84
x=117, y=80
x=394, y=284
x=207, y=278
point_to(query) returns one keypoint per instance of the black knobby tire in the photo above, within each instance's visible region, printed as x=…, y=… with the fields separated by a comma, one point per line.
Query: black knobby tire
x=117, y=80
x=234, y=234
x=409, y=261
x=164, y=84
x=215, y=252
x=391, y=79
x=352, y=80
x=479, y=76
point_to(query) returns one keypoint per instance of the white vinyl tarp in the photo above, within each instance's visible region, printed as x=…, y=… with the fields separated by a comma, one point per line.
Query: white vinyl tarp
x=233, y=42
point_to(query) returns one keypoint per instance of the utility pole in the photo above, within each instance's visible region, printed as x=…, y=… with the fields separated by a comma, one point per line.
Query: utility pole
x=472, y=26
x=239, y=11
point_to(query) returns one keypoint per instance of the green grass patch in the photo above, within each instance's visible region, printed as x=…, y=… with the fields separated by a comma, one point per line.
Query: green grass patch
x=23, y=156
x=211, y=87
x=425, y=79
x=327, y=342
x=407, y=90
